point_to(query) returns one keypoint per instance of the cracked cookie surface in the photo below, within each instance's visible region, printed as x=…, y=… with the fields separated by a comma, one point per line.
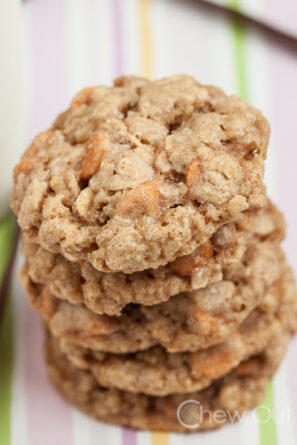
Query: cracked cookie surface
x=134, y=176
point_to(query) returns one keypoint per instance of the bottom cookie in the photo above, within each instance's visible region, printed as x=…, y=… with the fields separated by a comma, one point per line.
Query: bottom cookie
x=223, y=401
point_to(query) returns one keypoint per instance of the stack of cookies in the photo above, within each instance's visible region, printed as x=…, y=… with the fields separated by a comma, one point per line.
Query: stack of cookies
x=153, y=253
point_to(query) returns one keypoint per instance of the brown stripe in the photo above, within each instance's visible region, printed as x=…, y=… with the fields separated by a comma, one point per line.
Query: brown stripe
x=277, y=36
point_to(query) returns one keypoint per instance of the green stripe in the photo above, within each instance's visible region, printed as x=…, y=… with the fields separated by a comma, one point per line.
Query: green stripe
x=265, y=415
x=239, y=43
x=5, y=374
x=6, y=352
x=6, y=241
x=239, y=35
x=267, y=425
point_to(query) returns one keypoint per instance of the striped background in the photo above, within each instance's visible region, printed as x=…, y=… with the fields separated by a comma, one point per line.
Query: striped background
x=68, y=44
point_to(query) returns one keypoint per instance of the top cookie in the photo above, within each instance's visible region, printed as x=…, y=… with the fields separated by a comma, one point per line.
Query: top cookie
x=132, y=177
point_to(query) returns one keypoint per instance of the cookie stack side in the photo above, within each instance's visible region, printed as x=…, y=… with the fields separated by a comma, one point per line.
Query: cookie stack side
x=153, y=253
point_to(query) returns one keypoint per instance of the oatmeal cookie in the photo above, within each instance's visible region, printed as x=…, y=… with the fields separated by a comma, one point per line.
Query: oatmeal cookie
x=186, y=322
x=157, y=372
x=102, y=293
x=240, y=390
x=133, y=176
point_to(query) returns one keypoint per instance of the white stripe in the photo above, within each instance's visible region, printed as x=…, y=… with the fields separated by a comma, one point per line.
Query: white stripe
x=160, y=45
x=78, y=39
x=90, y=26
x=225, y=74
x=283, y=414
x=188, y=40
x=105, y=434
x=102, y=34
x=257, y=74
x=77, y=42
x=26, y=73
x=143, y=438
x=177, y=439
x=88, y=431
x=19, y=298
x=10, y=91
x=81, y=428
x=249, y=429
x=131, y=37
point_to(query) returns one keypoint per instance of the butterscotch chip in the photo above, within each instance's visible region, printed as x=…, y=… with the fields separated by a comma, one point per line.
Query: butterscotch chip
x=96, y=146
x=215, y=362
x=193, y=172
x=177, y=161
x=144, y=199
x=185, y=265
x=42, y=137
x=229, y=395
x=248, y=240
x=100, y=328
x=81, y=98
x=25, y=166
x=157, y=372
x=28, y=161
x=248, y=367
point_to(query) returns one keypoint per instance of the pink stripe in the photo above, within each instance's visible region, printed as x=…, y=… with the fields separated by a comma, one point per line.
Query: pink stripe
x=118, y=38
x=50, y=67
x=129, y=437
x=283, y=93
x=49, y=418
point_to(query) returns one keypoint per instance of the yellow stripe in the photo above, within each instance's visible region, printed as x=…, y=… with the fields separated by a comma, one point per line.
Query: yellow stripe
x=146, y=46
x=159, y=439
